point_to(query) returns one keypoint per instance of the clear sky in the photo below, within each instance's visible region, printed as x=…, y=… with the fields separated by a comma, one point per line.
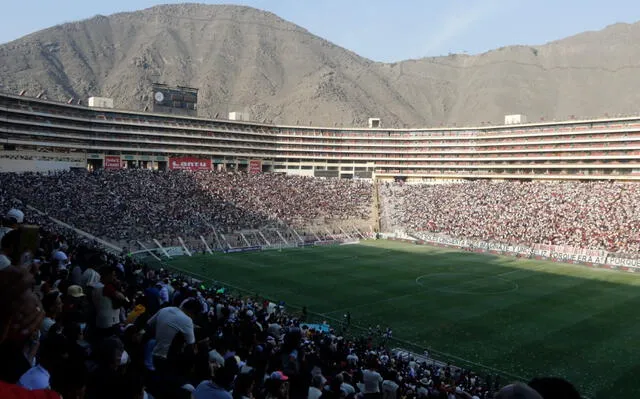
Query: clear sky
x=382, y=30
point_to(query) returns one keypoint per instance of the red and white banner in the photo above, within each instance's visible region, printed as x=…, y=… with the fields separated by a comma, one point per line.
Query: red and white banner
x=188, y=163
x=112, y=162
x=255, y=166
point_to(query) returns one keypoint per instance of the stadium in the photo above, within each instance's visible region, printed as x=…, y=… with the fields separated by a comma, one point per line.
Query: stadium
x=441, y=245
x=159, y=254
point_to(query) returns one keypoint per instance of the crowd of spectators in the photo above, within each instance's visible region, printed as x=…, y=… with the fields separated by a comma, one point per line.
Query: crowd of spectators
x=80, y=323
x=593, y=215
x=131, y=204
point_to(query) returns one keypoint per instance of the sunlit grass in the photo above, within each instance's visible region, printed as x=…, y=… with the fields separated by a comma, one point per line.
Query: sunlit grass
x=524, y=317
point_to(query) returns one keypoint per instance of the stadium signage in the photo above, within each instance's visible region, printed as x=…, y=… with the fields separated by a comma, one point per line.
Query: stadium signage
x=255, y=166
x=187, y=163
x=445, y=240
x=623, y=262
x=245, y=249
x=584, y=258
x=557, y=253
x=325, y=242
x=112, y=162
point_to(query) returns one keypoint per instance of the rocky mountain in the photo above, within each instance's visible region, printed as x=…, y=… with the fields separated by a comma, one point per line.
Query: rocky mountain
x=247, y=60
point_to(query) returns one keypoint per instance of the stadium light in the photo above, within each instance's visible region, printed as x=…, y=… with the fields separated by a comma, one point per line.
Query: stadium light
x=41, y=94
x=70, y=101
x=22, y=92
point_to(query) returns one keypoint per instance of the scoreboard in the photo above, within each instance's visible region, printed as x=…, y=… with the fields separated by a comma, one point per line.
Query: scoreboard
x=176, y=100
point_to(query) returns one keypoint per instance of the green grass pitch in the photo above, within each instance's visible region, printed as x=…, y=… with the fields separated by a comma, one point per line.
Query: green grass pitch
x=524, y=317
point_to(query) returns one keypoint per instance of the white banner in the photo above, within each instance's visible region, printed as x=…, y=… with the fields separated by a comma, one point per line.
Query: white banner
x=616, y=261
x=560, y=253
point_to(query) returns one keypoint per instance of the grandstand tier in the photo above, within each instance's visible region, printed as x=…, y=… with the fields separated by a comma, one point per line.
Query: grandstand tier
x=63, y=136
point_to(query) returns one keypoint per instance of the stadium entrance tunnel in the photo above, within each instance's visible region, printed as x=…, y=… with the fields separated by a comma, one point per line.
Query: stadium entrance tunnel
x=467, y=283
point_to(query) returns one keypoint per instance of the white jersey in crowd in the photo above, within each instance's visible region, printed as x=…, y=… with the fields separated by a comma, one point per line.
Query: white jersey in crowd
x=106, y=315
x=371, y=380
x=168, y=322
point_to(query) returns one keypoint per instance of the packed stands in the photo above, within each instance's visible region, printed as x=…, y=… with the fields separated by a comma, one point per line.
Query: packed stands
x=594, y=215
x=137, y=204
x=85, y=324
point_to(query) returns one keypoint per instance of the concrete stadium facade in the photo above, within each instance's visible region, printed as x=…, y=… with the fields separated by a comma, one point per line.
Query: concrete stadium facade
x=38, y=135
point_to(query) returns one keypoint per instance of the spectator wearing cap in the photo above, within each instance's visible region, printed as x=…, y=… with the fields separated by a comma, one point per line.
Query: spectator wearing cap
x=76, y=307
x=277, y=386
x=13, y=219
x=61, y=259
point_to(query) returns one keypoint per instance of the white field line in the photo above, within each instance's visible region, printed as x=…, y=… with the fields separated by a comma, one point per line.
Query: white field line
x=417, y=280
x=407, y=343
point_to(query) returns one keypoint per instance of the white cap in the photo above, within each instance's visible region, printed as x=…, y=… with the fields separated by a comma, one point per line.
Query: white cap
x=60, y=256
x=16, y=214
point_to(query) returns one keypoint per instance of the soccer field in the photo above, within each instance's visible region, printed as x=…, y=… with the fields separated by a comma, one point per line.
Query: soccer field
x=523, y=317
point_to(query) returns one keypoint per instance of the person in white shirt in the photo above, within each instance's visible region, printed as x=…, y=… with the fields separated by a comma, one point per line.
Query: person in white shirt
x=390, y=386
x=170, y=321
x=371, y=380
x=52, y=304
x=163, y=292
x=352, y=358
x=315, y=390
x=107, y=301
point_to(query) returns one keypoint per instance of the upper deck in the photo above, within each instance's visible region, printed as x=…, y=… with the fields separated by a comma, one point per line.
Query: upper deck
x=598, y=148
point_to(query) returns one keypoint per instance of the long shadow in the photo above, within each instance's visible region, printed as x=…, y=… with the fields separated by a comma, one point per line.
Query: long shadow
x=564, y=320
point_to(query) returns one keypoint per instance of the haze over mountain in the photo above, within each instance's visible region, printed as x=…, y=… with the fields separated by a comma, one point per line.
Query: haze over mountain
x=244, y=59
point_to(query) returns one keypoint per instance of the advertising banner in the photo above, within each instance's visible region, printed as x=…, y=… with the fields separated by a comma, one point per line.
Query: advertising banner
x=188, y=163
x=244, y=249
x=112, y=162
x=255, y=166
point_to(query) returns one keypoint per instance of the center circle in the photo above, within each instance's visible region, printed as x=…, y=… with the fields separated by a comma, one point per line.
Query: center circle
x=467, y=283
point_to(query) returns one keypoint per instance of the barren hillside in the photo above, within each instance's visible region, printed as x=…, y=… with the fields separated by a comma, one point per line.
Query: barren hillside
x=244, y=59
